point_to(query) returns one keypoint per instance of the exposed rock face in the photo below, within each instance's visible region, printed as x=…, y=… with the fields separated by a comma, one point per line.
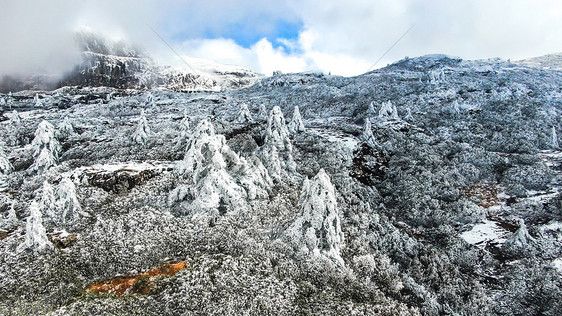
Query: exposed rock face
x=36, y=239
x=318, y=230
x=296, y=125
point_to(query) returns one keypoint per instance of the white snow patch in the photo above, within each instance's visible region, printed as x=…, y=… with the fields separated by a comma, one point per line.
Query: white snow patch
x=557, y=264
x=336, y=137
x=481, y=234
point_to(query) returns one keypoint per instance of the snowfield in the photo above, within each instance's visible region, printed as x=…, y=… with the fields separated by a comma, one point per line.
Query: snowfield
x=428, y=187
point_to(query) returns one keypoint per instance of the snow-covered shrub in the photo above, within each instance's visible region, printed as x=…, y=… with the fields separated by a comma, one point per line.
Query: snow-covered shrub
x=317, y=230
x=296, y=125
x=36, y=239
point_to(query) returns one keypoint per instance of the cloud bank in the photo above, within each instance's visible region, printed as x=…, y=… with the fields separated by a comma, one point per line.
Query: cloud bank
x=333, y=36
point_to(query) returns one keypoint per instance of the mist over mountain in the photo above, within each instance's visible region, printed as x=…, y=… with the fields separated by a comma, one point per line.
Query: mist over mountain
x=428, y=187
x=119, y=64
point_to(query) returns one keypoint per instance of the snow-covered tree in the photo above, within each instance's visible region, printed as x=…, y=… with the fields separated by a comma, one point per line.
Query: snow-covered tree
x=149, y=100
x=140, y=136
x=184, y=128
x=48, y=203
x=262, y=114
x=65, y=128
x=11, y=220
x=520, y=242
x=296, y=125
x=371, y=113
x=277, y=151
x=38, y=102
x=5, y=165
x=68, y=206
x=46, y=148
x=554, y=141
x=318, y=230
x=409, y=116
x=15, y=119
x=244, y=115
x=388, y=111
x=367, y=135
x=209, y=163
x=36, y=239
x=2, y=102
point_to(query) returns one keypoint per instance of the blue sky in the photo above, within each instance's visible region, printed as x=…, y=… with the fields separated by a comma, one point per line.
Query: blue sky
x=341, y=37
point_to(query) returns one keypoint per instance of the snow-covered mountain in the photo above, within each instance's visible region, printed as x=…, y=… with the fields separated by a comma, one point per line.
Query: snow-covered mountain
x=119, y=65
x=551, y=61
x=429, y=187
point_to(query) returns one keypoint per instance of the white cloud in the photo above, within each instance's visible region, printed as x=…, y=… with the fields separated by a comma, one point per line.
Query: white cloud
x=344, y=37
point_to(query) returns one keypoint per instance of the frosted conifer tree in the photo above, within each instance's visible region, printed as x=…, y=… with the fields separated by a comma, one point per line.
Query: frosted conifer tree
x=150, y=100
x=184, y=130
x=48, y=204
x=210, y=163
x=68, y=206
x=279, y=161
x=318, y=230
x=5, y=165
x=520, y=241
x=554, y=141
x=65, y=128
x=409, y=116
x=296, y=125
x=15, y=119
x=46, y=147
x=38, y=103
x=2, y=102
x=12, y=220
x=35, y=235
x=5, y=168
x=388, y=111
x=371, y=110
x=262, y=114
x=244, y=116
x=140, y=136
x=367, y=135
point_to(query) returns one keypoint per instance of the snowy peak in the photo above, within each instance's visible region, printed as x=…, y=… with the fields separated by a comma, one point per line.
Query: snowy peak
x=550, y=61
